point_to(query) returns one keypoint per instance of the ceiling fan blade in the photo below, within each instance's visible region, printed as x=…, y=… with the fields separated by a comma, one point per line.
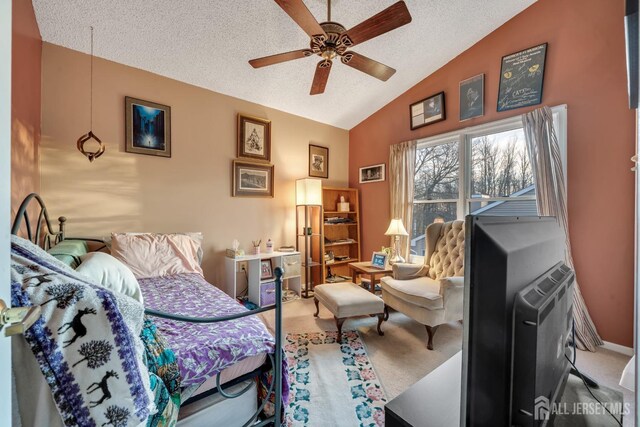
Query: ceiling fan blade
x=320, y=77
x=299, y=13
x=367, y=65
x=389, y=19
x=280, y=57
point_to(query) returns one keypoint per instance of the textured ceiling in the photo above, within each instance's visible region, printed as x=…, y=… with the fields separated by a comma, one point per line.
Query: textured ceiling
x=207, y=43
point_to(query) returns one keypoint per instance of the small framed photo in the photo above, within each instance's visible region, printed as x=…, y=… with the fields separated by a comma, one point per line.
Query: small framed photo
x=521, y=78
x=254, y=138
x=428, y=111
x=252, y=179
x=379, y=260
x=148, y=127
x=373, y=173
x=266, y=269
x=318, y=161
x=472, y=97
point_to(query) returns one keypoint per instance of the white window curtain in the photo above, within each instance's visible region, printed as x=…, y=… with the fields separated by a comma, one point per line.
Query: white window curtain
x=402, y=165
x=548, y=176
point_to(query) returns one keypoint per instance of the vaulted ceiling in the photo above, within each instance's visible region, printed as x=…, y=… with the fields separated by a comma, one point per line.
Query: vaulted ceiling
x=208, y=43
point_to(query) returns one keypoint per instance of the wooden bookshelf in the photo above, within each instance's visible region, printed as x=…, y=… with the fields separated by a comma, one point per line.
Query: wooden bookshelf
x=342, y=239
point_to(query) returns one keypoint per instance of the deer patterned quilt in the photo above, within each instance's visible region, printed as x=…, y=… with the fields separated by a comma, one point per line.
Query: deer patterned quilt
x=86, y=342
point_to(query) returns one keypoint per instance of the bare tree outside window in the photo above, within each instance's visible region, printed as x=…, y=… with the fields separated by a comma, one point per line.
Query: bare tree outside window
x=436, y=184
x=498, y=168
x=499, y=164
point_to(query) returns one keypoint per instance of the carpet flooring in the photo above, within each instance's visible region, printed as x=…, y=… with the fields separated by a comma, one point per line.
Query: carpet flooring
x=400, y=357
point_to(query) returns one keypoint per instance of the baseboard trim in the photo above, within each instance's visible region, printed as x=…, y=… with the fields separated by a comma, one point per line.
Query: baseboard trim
x=627, y=351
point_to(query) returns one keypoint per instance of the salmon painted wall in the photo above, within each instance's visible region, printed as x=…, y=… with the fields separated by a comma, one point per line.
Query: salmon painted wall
x=585, y=69
x=26, y=55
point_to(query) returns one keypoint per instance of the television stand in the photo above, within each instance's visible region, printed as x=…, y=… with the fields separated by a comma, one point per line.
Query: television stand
x=434, y=401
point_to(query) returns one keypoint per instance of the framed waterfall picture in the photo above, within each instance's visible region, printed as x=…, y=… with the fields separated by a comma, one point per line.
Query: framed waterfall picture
x=254, y=138
x=148, y=127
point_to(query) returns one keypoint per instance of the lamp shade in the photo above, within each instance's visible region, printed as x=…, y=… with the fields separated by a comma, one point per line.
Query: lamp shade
x=308, y=191
x=396, y=228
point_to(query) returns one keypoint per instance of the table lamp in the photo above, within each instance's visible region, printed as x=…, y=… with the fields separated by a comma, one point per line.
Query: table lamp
x=396, y=228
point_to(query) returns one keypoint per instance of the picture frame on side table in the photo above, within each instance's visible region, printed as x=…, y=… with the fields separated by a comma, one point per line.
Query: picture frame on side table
x=379, y=260
x=522, y=78
x=252, y=179
x=427, y=111
x=374, y=173
x=147, y=127
x=472, y=97
x=318, y=161
x=254, y=138
x=266, y=269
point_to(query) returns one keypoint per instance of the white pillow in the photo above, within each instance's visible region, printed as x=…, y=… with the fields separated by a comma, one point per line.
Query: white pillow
x=110, y=273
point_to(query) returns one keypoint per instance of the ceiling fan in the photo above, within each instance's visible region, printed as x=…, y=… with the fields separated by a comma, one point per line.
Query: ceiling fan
x=330, y=39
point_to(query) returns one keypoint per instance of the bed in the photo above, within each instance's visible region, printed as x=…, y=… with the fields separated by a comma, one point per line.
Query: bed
x=225, y=355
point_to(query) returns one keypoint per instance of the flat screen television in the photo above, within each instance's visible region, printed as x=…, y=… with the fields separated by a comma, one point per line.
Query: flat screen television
x=514, y=272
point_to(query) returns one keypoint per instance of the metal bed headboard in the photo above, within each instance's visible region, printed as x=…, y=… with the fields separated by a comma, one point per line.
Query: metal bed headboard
x=43, y=219
x=275, y=359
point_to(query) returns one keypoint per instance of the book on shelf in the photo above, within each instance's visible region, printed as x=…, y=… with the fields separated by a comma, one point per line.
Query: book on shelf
x=338, y=220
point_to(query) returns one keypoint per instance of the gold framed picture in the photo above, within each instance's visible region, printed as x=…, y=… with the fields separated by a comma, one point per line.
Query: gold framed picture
x=318, y=161
x=254, y=138
x=252, y=179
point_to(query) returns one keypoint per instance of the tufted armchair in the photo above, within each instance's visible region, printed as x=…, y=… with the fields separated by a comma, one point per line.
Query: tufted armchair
x=431, y=293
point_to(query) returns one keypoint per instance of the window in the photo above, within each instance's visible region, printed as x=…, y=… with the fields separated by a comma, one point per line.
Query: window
x=500, y=171
x=482, y=170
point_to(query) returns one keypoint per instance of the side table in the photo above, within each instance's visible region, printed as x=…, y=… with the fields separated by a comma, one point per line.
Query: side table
x=365, y=268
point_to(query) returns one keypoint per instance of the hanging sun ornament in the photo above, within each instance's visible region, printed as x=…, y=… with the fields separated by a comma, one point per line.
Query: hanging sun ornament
x=91, y=155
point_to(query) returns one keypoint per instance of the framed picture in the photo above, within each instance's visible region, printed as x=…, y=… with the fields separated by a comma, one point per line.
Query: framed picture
x=266, y=269
x=472, y=97
x=428, y=111
x=318, y=161
x=252, y=179
x=148, y=127
x=521, y=78
x=254, y=138
x=373, y=173
x=379, y=260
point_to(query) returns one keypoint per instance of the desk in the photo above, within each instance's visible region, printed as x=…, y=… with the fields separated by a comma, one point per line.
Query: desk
x=434, y=401
x=365, y=268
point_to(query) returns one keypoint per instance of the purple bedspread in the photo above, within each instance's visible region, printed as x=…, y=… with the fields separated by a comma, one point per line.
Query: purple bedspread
x=203, y=350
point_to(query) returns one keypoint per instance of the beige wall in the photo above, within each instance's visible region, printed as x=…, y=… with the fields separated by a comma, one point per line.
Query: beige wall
x=189, y=192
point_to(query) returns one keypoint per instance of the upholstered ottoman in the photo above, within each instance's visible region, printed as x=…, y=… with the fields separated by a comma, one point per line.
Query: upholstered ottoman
x=346, y=300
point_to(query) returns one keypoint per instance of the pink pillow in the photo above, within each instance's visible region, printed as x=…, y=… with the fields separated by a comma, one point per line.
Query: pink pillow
x=154, y=255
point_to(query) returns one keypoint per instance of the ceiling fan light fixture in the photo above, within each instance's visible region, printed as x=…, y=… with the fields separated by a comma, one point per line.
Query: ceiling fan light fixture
x=331, y=39
x=329, y=53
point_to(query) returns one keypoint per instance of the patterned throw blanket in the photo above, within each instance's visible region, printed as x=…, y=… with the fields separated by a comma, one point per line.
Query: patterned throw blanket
x=86, y=341
x=163, y=375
